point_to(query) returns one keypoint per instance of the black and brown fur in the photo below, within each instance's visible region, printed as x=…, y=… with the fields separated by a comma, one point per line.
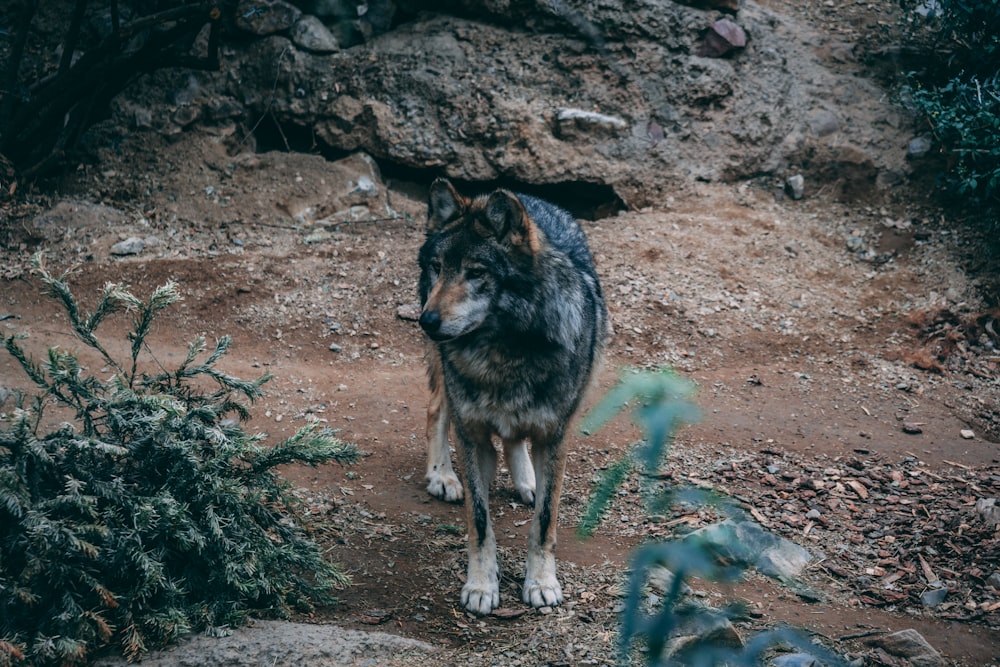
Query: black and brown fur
x=513, y=307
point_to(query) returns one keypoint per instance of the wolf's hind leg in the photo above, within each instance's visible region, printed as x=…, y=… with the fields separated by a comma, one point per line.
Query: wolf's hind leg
x=442, y=482
x=541, y=586
x=522, y=473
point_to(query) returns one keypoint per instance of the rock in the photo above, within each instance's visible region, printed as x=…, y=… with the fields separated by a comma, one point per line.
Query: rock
x=795, y=660
x=578, y=123
x=428, y=100
x=334, y=347
x=317, y=236
x=933, y=597
x=783, y=560
x=661, y=579
x=994, y=580
x=329, y=9
x=223, y=108
x=823, y=122
x=912, y=428
x=143, y=118
x=918, y=148
x=186, y=115
x=284, y=644
x=266, y=17
x=795, y=186
x=365, y=187
x=721, y=38
x=746, y=543
x=988, y=510
x=187, y=92
x=911, y=645
x=408, y=311
x=967, y=434
x=929, y=9
x=698, y=628
x=310, y=34
x=130, y=246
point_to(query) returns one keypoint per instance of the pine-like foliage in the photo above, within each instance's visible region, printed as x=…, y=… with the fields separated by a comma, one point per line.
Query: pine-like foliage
x=149, y=512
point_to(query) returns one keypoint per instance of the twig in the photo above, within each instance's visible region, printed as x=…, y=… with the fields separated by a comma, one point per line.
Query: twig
x=859, y=635
x=116, y=21
x=331, y=226
x=928, y=572
x=69, y=45
x=270, y=102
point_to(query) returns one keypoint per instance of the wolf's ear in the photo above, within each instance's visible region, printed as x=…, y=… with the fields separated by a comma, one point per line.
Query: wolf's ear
x=510, y=223
x=443, y=204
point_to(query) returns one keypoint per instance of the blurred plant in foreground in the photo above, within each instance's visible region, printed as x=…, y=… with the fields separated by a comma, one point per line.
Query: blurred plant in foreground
x=675, y=631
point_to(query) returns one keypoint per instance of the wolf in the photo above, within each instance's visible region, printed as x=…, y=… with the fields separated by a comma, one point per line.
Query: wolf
x=516, y=319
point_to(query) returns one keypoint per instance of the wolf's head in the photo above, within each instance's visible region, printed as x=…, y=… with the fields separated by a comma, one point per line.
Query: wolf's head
x=476, y=248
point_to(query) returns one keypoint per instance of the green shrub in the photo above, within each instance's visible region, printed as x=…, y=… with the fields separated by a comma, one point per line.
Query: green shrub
x=964, y=116
x=148, y=512
x=958, y=97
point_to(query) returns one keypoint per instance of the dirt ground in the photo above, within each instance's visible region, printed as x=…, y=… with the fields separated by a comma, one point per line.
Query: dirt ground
x=799, y=349
x=833, y=344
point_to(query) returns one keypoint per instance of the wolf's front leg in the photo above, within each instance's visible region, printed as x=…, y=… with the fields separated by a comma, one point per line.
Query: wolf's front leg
x=442, y=482
x=541, y=587
x=481, y=592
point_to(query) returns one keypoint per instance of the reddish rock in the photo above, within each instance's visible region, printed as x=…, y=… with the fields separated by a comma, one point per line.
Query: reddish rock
x=721, y=38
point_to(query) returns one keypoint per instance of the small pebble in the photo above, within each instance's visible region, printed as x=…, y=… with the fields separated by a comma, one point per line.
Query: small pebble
x=408, y=311
x=967, y=434
x=933, y=597
x=912, y=428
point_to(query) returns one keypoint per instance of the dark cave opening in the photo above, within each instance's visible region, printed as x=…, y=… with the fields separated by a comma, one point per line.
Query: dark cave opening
x=584, y=200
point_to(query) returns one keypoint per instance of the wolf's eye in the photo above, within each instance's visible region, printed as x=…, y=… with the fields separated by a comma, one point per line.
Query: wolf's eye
x=435, y=266
x=475, y=272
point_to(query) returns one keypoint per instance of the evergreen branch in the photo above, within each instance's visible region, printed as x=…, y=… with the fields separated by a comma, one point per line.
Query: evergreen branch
x=308, y=446
x=111, y=302
x=162, y=297
x=31, y=368
x=58, y=288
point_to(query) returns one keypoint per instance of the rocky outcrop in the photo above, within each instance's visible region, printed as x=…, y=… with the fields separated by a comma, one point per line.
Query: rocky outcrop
x=479, y=101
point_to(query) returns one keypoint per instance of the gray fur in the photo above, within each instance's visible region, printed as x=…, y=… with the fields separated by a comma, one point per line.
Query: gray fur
x=514, y=309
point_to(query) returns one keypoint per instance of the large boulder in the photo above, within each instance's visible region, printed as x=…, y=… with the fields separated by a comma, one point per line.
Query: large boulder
x=479, y=100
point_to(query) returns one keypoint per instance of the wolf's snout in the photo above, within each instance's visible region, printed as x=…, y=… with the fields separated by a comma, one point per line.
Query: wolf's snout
x=430, y=321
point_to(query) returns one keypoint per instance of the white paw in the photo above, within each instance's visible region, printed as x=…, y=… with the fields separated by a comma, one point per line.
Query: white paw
x=546, y=593
x=527, y=493
x=444, y=486
x=481, y=598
